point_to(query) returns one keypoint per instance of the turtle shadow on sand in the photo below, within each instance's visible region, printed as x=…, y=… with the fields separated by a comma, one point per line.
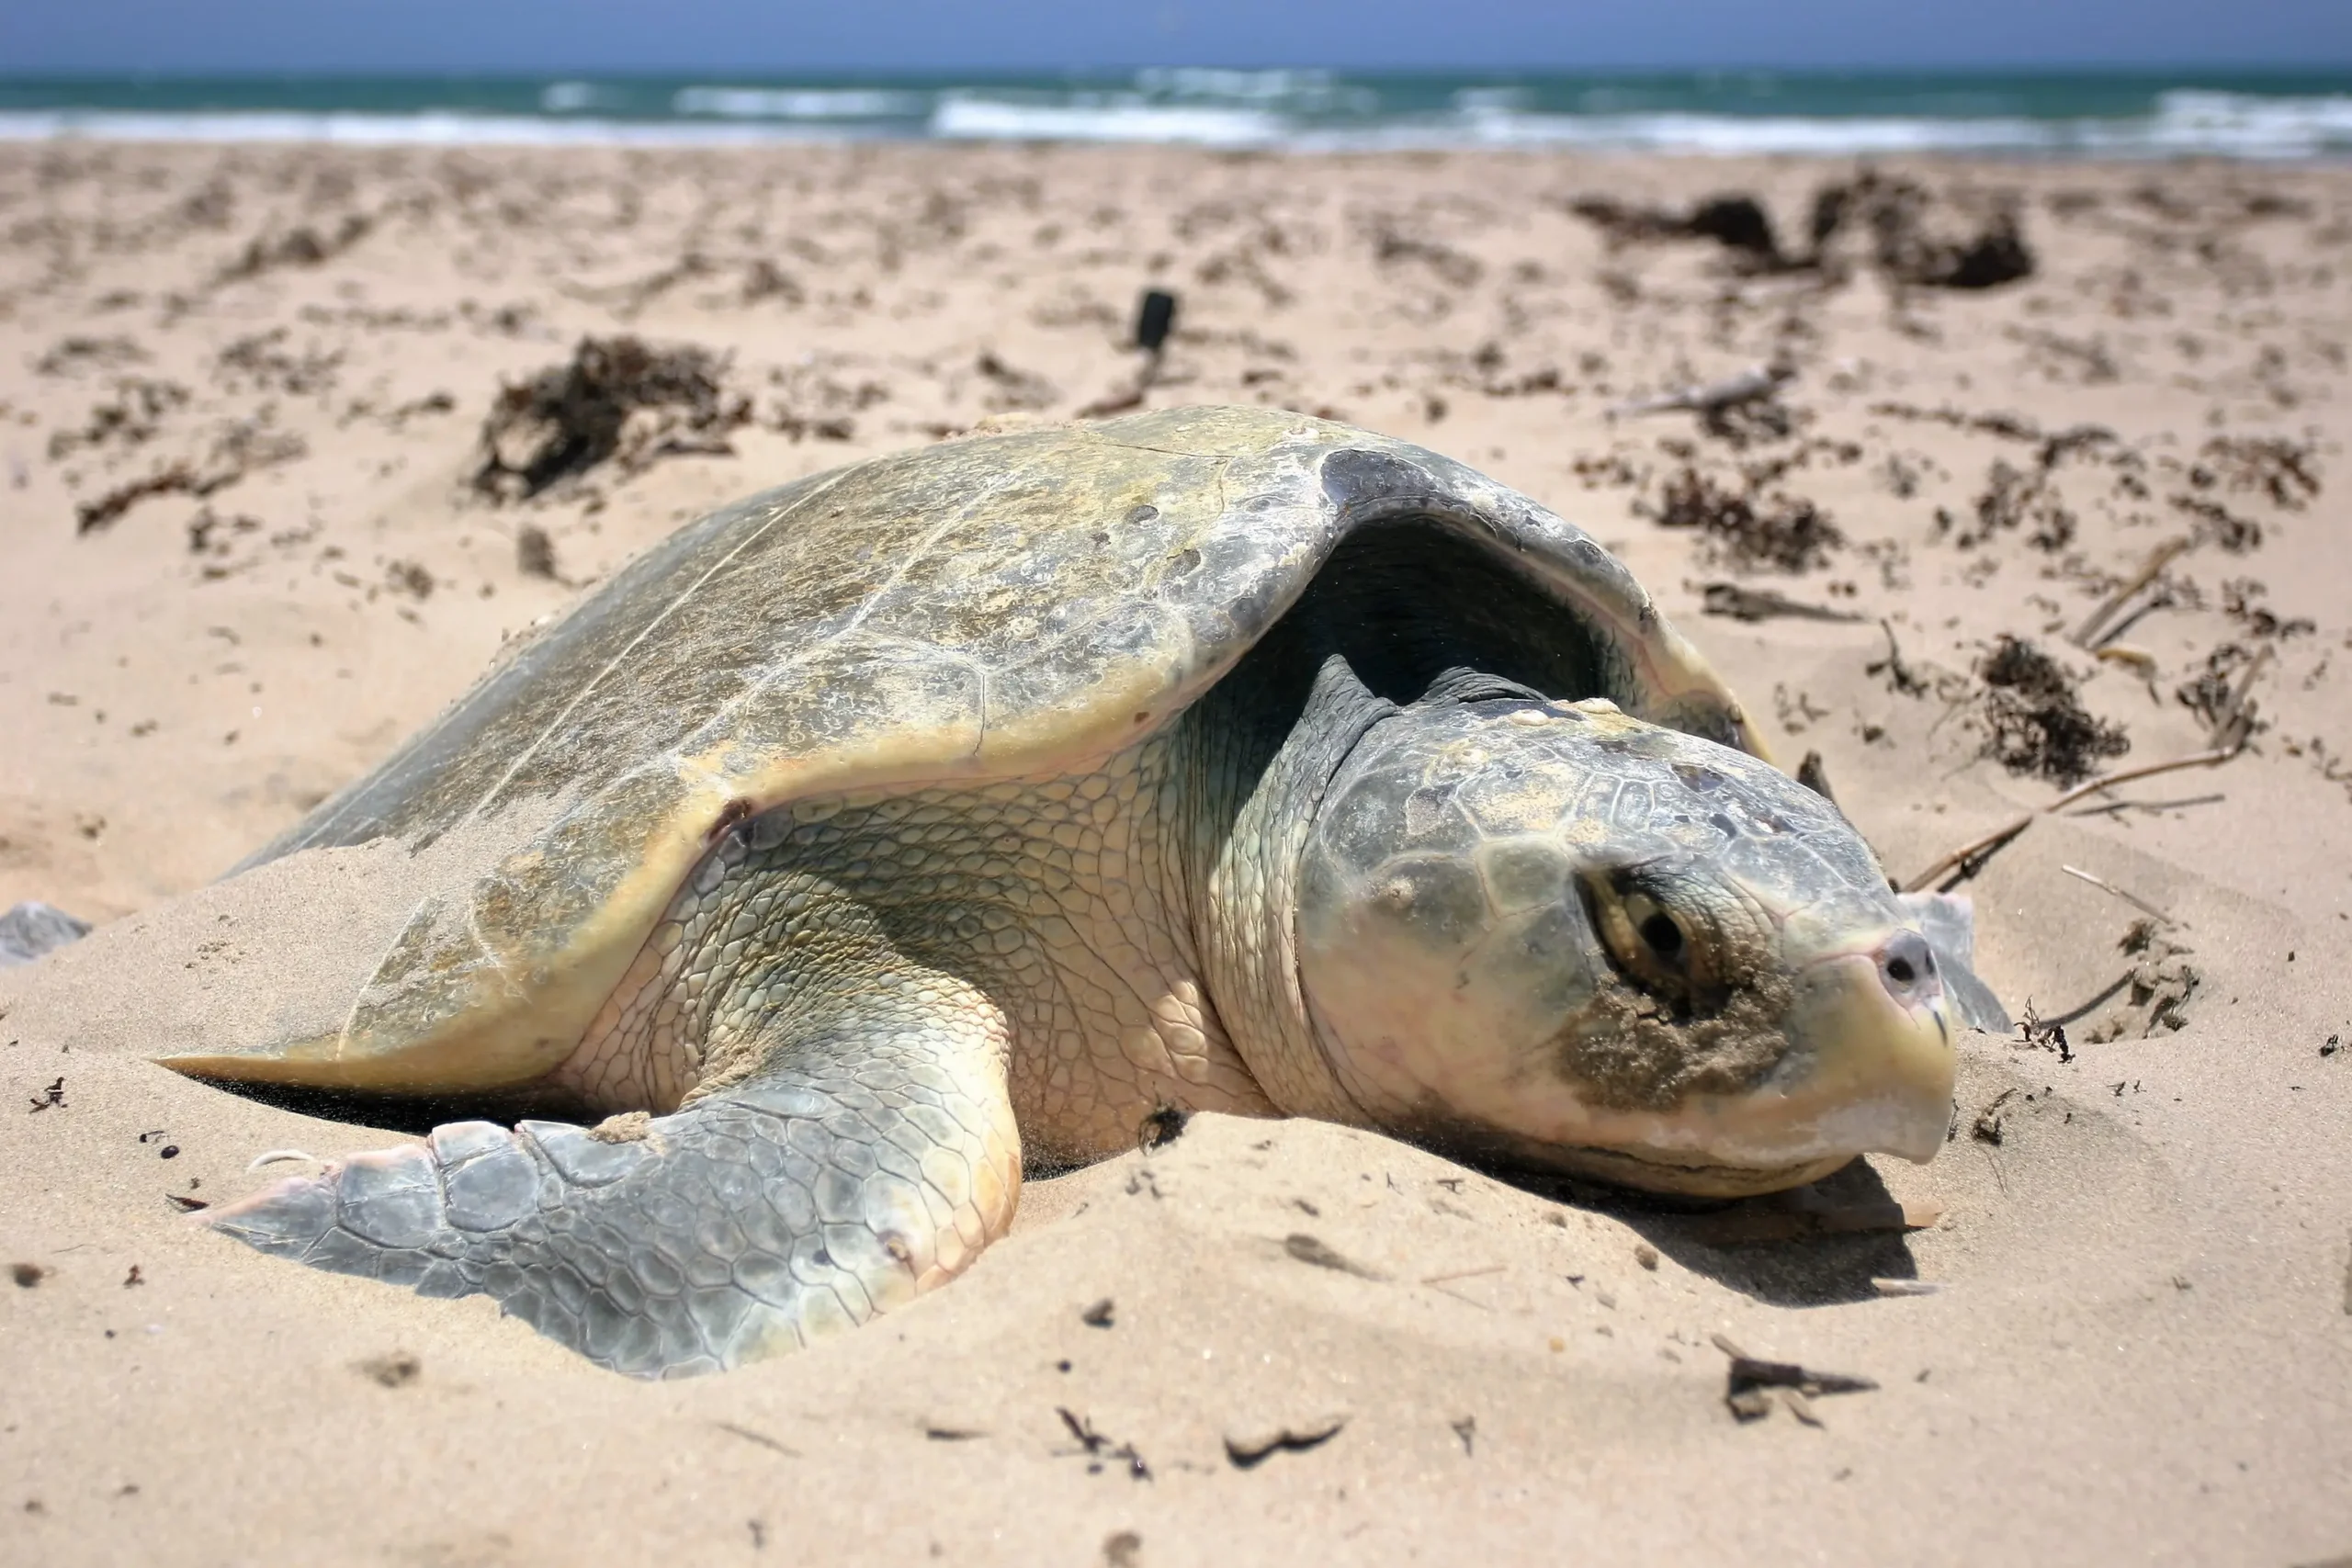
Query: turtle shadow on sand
x=414, y=1115
x=1818, y=1245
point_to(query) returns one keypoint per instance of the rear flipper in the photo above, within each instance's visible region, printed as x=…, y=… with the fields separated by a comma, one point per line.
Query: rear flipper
x=833, y=1184
x=1948, y=921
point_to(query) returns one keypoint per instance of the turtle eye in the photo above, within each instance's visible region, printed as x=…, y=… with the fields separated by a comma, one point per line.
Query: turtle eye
x=1662, y=935
x=1665, y=952
x=1659, y=950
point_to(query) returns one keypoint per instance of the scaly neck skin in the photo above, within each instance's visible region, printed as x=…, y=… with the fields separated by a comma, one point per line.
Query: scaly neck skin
x=1253, y=768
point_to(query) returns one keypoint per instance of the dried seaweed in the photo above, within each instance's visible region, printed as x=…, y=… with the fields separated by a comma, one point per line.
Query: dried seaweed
x=2012, y=498
x=176, y=479
x=1749, y=527
x=2213, y=694
x=1912, y=242
x=618, y=400
x=133, y=416
x=2284, y=471
x=2034, y=719
x=1734, y=220
x=2238, y=596
x=299, y=246
x=262, y=363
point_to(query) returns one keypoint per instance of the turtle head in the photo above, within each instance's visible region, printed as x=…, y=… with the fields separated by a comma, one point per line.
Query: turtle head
x=1558, y=935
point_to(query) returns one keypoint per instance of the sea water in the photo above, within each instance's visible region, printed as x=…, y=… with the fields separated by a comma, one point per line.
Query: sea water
x=2053, y=114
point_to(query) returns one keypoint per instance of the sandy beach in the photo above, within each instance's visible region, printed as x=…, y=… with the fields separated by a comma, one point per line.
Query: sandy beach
x=2044, y=482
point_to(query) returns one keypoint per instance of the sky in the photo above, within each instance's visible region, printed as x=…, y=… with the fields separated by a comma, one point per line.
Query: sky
x=751, y=36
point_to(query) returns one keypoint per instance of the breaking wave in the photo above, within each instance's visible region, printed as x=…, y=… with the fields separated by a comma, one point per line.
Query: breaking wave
x=1308, y=111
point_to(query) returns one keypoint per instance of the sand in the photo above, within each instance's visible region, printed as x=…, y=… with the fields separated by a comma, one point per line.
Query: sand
x=2139, y=1342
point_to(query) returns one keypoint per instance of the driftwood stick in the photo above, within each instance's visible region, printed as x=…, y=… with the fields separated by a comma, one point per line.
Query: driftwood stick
x=2235, y=723
x=2104, y=885
x=1131, y=396
x=1465, y=1274
x=1747, y=386
x=1744, y=603
x=2163, y=556
x=1967, y=855
x=2109, y=781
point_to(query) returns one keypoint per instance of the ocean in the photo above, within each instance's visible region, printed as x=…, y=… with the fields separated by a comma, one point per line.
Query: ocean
x=2027, y=115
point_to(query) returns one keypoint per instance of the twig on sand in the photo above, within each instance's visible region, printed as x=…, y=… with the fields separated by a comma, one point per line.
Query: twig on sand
x=2231, y=728
x=2127, y=775
x=1440, y=1281
x=1749, y=386
x=2086, y=634
x=1899, y=675
x=1466, y=1273
x=2235, y=723
x=2117, y=808
x=1121, y=400
x=2104, y=885
x=1969, y=858
x=1744, y=603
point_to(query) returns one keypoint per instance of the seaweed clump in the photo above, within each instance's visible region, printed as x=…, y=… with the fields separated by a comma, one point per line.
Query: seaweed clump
x=1913, y=239
x=1961, y=240
x=1734, y=220
x=619, y=399
x=2034, y=718
x=1747, y=528
x=2284, y=471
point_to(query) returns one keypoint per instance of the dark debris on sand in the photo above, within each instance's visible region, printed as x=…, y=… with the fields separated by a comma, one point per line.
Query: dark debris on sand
x=619, y=399
x=1897, y=225
x=1912, y=238
x=2283, y=470
x=2215, y=693
x=299, y=246
x=2013, y=498
x=2034, y=718
x=2026, y=499
x=1747, y=527
x=1735, y=220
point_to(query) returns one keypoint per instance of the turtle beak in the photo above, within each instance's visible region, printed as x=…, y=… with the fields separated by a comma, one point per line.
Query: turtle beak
x=1871, y=1058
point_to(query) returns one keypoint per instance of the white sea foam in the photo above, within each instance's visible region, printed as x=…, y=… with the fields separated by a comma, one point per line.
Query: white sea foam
x=2244, y=126
x=801, y=103
x=1304, y=110
x=1293, y=92
x=963, y=118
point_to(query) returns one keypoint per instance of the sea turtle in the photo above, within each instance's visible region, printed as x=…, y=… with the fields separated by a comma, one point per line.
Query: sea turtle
x=973, y=805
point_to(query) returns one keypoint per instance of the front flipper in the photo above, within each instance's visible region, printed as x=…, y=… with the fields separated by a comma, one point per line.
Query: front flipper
x=1949, y=921
x=869, y=1159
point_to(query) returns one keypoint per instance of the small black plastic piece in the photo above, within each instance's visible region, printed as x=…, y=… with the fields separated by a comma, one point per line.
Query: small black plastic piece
x=1154, y=319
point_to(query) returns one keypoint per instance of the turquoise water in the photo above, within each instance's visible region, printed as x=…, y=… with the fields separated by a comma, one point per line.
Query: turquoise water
x=2227, y=114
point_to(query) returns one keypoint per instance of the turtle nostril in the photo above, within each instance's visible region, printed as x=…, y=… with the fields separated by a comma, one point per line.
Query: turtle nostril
x=1907, y=968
